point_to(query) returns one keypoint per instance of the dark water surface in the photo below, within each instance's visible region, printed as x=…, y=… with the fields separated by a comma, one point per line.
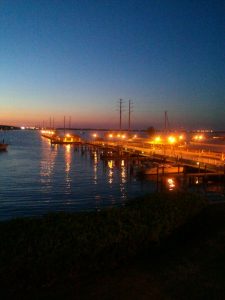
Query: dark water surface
x=37, y=178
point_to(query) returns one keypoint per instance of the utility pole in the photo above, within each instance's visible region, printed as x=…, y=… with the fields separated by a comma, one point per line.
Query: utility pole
x=64, y=121
x=129, y=117
x=166, y=121
x=165, y=124
x=121, y=102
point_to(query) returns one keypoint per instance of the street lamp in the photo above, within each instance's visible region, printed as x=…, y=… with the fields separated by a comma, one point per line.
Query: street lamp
x=198, y=163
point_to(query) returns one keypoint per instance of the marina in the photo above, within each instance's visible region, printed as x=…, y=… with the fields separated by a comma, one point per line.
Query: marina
x=166, y=158
x=151, y=159
x=42, y=176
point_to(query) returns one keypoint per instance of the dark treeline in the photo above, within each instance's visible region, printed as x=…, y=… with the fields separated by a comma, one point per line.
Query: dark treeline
x=8, y=127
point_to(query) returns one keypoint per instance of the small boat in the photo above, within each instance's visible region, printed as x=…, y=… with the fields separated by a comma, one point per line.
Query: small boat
x=166, y=169
x=3, y=146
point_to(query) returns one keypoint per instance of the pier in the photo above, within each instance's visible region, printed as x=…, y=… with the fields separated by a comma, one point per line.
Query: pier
x=204, y=162
x=57, y=138
x=210, y=161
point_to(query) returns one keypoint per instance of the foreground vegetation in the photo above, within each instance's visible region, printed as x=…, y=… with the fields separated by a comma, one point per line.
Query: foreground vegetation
x=60, y=249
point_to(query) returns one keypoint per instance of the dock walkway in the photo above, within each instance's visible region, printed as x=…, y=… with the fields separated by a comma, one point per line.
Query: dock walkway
x=202, y=160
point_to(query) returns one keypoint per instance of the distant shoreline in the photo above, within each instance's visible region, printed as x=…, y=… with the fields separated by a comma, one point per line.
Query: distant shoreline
x=10, y=127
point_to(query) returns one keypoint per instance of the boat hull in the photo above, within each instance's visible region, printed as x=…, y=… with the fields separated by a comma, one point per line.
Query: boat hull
x=3, y=147
x=164, y=170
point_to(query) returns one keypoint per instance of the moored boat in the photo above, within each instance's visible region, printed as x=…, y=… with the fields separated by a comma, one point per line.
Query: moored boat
x=3, y=146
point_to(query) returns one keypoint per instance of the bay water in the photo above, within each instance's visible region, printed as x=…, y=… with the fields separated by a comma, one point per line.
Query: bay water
x=37, y=178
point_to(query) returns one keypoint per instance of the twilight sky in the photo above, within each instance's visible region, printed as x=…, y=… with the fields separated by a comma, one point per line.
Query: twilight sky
x=79, y=57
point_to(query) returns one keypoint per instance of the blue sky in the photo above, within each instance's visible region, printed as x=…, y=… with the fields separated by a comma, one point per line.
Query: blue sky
x=77, y=58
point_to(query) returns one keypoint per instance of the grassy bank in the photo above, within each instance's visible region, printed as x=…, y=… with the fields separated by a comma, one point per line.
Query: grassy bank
x=38, y=254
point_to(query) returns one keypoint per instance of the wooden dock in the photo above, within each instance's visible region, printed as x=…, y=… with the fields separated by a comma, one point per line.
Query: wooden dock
x=202, y=162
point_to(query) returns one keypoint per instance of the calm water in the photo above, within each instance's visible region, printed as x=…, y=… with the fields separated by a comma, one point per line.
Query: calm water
x=37, y=178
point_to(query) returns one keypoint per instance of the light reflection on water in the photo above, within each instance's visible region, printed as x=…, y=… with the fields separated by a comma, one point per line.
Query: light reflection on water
x=171, y=184
x=39, y=177
x=110, y=172
x=68, y=177
x=47, y=164
x=95, y=167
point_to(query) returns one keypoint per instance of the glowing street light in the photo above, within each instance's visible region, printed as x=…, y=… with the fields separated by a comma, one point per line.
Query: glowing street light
x=171, y=139
x=198, y=137
x=181, y=137
x=157, y=139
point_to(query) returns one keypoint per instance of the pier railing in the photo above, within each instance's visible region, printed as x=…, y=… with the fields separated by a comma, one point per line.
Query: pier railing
x=213, y=161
